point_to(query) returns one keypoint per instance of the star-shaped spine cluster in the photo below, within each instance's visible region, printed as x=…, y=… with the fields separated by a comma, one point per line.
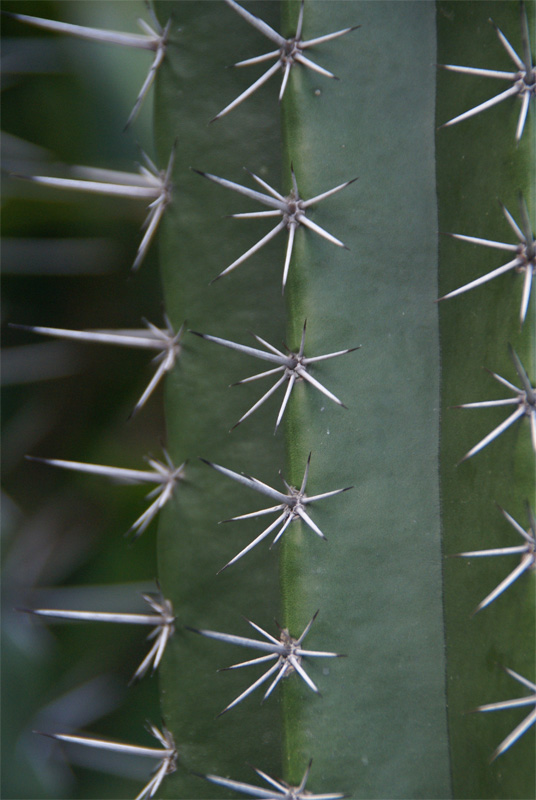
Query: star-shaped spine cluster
x=166, y=755
x=153, y=39
x=163, y=619
x=525, y=400
x=280, y=790
x=292, y=210
x=165, y=475
x=292, y=505
x=150, y=338
x=286, y=651
x=292, y=367
x=521, y=702
x=288, y=53
x=524, y=261
x=527, y=551
x=523, y=79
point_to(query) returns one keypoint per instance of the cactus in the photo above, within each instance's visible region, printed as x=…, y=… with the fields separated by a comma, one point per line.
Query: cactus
x=361, y=267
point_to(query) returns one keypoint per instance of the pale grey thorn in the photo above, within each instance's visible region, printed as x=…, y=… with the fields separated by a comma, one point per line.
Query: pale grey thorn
x=524, y=261
x=286, y=651
x=167, y=755
x=149, y=184
x=154, y=39
x=520, y=702
x=525, y=401
x=291, y=209
x=526, y=550
x=163, y=621
x=292, y=367
x=523, y=79
x=289, y=52
x=292, y=505
x=166, y=475
x=284, y=791
x=151, y=338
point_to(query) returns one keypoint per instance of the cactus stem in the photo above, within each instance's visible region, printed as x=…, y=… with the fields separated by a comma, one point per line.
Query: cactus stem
x=525, y=401
x=518, y=703
x=528, y=560
x=167, y=475
x=163, y=621
x=525, y=260
x=291, y=208
x=286, y=650
x=292, y=505
x=288, y=53
x=283, y=789
x=167, y=755
x=524, y=78
x=293, y=366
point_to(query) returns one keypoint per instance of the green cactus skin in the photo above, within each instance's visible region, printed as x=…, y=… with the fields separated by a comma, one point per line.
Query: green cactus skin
x=478, y=164
x=381, y=727
x=392, y=720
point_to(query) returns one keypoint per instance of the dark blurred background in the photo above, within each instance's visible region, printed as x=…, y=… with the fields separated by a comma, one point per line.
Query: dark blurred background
x=66, y=261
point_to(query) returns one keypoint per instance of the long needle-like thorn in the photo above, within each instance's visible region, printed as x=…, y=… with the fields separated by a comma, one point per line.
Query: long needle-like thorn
x=165, y=475
x=152, y=39
x=167, y=755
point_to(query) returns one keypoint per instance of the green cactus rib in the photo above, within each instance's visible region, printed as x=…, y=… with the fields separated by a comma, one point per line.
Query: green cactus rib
x=477, y=328
x=378, y=581
x=392, y=720
x=197, y=242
